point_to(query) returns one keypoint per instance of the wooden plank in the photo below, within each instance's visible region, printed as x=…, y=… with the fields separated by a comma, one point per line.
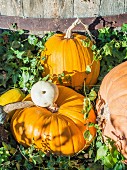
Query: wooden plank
x=57, y=24
x=33, y=8
x=125, y=6
x=86, y=8
x=112, y=7
x=62, y=8
x=37, y=8
x=11, y=7
x=58, y=8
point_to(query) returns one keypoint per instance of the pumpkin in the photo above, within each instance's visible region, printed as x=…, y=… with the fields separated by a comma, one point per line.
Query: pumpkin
x=112, y=106
x=61, y=132
x=66, y=58
x=11, y=96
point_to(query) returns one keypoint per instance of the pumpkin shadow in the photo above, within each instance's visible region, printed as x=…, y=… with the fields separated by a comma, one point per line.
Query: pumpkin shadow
x=73, y=78
x=46, y=143
x=22, y=131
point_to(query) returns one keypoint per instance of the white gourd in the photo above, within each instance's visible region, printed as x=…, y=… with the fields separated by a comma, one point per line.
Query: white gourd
x=44, y=93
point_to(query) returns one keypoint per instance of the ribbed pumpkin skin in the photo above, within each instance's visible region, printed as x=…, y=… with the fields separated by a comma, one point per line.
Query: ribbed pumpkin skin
x=113, y=92
x=60, y=132
x=70, y=57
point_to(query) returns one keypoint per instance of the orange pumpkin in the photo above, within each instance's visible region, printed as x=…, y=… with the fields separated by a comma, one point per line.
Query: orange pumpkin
x=111, y=104
x=65, y=54
x=62, y=132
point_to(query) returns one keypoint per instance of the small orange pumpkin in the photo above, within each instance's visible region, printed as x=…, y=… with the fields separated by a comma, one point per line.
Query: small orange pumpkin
x=112, y=105
x=65, y=54
x=62, y=132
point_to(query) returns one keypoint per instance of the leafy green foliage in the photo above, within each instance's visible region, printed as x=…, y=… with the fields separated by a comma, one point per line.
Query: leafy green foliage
x=111, y=48
x=19, y=158
x=20, y=59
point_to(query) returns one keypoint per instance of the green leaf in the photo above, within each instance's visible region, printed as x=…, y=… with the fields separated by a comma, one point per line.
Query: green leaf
x=107, y=50
x=101, y=152
x=32, y=39
x=93, y=47
x=86, y=107
x=92, y=95
x=87, y=135
x=40, y=45
x=46, y=77
x=21, y=32
x=16, y=44
x=108, y=161
x=15, y=78
x=6, y=33
x=124, y=28
x=88, y=69
x=119, y=166
x=25, y=76
x=85, y=43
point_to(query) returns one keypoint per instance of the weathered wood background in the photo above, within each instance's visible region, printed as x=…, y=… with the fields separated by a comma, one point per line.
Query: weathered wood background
x=59, y=9
x=62, y=8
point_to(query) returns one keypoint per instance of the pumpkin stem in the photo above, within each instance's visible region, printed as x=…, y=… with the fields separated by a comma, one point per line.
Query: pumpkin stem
x=53, y=108
x=68, y=34
x=18, y=105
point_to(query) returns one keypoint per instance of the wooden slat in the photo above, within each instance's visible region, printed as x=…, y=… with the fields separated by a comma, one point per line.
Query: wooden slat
x=112, y=7
x=56, y=24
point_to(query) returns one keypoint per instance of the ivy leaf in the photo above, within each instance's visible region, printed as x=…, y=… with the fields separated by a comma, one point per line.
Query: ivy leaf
x=18, y=53
x=124, y=27
x=119, y=166
x=40, y=45
x=32, y=40
x=85, y=43
x=88, y=69
x=92, y=95
x=107, y=49
x=14, y=78
x=25, y=78
x=46, y=77
x=87, y=135
x=86, y=107
x=16, y=44
x=101, y=152
x=108, y=161
x=21, y=32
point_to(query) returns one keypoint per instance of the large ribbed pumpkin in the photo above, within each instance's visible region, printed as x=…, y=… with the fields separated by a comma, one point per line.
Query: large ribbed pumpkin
x=112, y=106
x=62, y=132
x=65, y=55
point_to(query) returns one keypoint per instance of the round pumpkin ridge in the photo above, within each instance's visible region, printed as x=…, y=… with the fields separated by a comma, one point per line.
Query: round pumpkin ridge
x=66, y=54
x=60, y=132
x=111, y=104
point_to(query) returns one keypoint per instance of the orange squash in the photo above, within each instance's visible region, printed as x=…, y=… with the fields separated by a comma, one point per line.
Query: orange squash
x=61, y=132
x=65, y=54
x=112, y=106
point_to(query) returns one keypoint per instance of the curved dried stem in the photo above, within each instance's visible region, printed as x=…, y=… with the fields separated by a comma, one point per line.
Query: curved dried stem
x=68, y=32
x=74, y=24
x=18, y=105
